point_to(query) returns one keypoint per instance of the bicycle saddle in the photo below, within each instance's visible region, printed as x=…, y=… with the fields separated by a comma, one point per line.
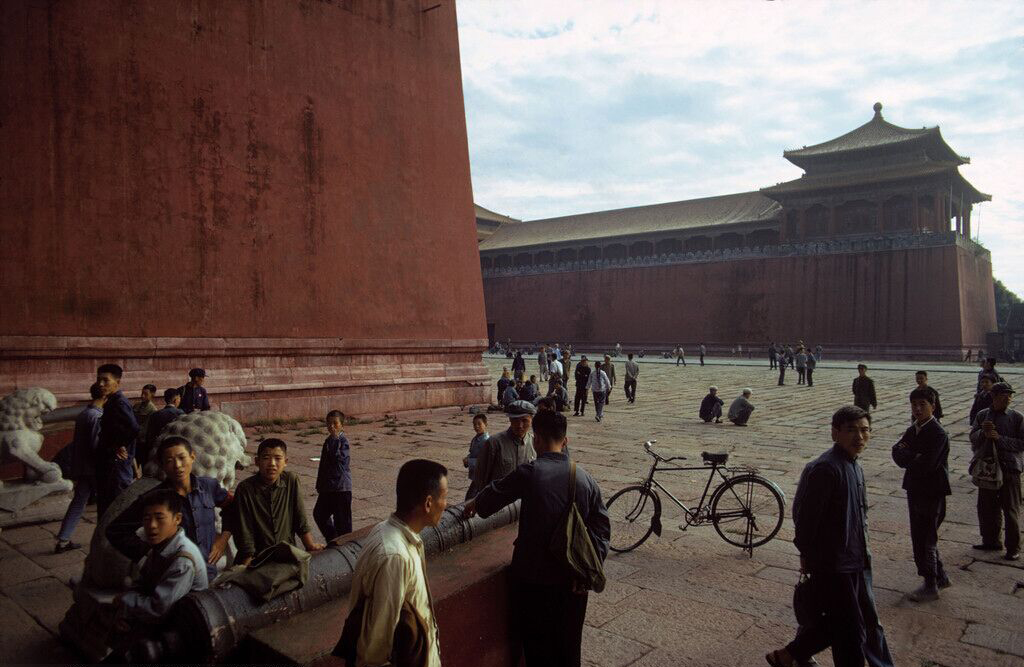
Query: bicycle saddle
x=714, y=458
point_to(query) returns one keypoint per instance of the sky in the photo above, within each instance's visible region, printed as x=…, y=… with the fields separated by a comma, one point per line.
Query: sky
x=576, y=106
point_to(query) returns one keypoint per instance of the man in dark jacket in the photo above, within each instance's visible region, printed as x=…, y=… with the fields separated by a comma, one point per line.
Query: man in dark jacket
x=518, y=366
x=193, y=394
x=550, y=612
x=923, y=452
x=830, y=517
x=158, y=420
x=982, y=399
x=1003, y=428
x=711, y=406
x=83, y=466
x=864, y=390
x=115, y=456
x=582, y=378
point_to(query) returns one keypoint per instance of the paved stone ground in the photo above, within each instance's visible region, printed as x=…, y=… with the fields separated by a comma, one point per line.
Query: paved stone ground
x=685, y=598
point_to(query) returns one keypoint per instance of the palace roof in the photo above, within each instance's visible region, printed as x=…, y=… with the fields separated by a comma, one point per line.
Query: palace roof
x=738, y=208
x=876, y=134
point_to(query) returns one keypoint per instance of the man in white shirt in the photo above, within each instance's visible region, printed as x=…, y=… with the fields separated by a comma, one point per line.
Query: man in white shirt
x=556, y=372
x=391, y=577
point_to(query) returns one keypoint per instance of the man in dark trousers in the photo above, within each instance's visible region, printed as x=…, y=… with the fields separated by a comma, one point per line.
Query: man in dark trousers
x=550, y=612
x=1002, y=427
x=782, y=368
x=582, y=379
x=115, y=456
x=830, y=517
x=923, y=452
x=864, y=390
x=193, y=394
x=921, y=378
x=773, y=355
x=518, y=366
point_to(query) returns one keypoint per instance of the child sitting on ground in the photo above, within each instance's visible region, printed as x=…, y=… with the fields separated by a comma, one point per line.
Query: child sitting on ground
x=269, y=505
x=333, y=509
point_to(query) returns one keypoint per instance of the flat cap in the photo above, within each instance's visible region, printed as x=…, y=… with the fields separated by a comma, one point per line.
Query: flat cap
x=1002, y=388
x=517, y=409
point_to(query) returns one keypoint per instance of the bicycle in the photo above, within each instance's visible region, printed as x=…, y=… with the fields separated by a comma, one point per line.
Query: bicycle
x=746, y=509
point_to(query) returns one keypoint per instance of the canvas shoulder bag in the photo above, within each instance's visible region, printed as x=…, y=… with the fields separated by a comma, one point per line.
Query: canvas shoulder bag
x=986, y=473
x=571, y=544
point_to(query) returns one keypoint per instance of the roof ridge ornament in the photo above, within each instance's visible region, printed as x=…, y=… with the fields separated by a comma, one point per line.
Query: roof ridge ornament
x=878, y=110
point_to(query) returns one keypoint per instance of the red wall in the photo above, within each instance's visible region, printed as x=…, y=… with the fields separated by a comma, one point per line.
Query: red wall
x=914, y=297
x=210, y=168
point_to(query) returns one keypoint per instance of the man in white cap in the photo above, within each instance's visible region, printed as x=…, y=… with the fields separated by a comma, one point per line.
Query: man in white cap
x=506, y=451
x=739, y=411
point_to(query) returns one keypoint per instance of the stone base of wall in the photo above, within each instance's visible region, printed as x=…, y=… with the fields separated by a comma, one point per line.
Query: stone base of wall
x=260, y=378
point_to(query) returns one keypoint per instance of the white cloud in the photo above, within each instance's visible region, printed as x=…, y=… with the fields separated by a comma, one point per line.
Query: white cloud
x=582, y=105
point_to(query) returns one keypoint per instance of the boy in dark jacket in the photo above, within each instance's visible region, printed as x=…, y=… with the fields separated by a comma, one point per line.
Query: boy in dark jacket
x=193, y=393
x=982, y=399
x=115, y=455
x=921, y=377
x=864, y=389
x=923, y=452
x=333, y=509
x=711, y=406
x=83, y=466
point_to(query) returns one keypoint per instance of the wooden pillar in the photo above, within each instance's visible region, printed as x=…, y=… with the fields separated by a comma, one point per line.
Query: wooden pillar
x=967, y=221
x=915, y=214
x=880, y=222
x=937, y=216
x=801, y=221
x=831, y=219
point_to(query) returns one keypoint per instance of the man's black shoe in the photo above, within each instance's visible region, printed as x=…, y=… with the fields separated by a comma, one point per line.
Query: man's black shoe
x=988, y=547
x=1012, y=555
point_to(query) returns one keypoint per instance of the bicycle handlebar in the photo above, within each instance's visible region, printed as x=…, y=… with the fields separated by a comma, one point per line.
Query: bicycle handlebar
x=658, y=457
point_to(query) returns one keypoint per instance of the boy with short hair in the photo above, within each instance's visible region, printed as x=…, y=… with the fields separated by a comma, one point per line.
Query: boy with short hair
x=530, y=392
x=193, y=394
x=83, y=466
x=200, y=495
x=159, y=419
x=143, y=410
x=333, y=510
x=173, y=566
x=923, y=452
x=864, y=389
x=921, y=377
x=269, y=505
x=115, y=455
x=476, y=449
x=711, y=406
x=982, y=399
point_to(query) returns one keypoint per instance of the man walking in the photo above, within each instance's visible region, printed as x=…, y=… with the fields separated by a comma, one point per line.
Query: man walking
x=582, y=381
x=864, y=390
x=550, y=611
x=830, y=517
x=703, y=350
x=609, y=369
x=773, y=355
x=389, y=585
x=923, y=452
x=632, y=371
x=542, y=362
x=680, y=355
x=600, y=385
x=1001, y=428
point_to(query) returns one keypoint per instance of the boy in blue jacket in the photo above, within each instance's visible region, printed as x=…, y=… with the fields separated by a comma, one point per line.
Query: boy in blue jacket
x=333, y=509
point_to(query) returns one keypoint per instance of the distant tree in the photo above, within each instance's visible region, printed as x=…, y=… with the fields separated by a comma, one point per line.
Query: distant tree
x=1005, y=299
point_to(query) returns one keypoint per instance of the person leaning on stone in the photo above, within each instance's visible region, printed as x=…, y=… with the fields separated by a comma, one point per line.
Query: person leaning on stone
x=143, y=410
x=864, y=389
x=389, y=585
x=830, y=521
x=1002, y=427
x=115, y=455
x=507, y=450
x=193, y=393
x=629, y=386
x=550, y=611
x=711, y=406
x=201, y=496
x=582, y=377
x=83, y=466
x=609, y=369
x=741, y=408
x=923, y=452
x=160, y=419
x=269, y=505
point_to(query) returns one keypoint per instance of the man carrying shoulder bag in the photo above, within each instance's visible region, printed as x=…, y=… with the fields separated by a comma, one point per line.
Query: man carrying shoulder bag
x=997, y=438
x=552, y=567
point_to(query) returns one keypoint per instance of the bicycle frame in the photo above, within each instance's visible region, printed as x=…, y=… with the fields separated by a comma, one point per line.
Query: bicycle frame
x=692, y=515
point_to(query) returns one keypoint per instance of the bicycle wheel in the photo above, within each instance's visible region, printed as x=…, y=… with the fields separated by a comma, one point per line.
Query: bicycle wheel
x=632, y=511
x=747, y=511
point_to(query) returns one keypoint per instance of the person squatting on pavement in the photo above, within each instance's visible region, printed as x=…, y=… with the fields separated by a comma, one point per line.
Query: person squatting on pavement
x=830, y=517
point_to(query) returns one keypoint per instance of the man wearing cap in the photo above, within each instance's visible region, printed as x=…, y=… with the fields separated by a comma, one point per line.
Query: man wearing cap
x=508, y=450
x=193, y=395
x=1002, y=427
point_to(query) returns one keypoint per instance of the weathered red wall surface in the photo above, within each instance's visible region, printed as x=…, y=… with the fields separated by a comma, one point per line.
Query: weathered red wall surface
x=209, y=169
x=926, y=298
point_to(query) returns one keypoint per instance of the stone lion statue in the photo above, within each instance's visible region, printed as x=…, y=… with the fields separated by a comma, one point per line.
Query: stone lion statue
x=21, y=419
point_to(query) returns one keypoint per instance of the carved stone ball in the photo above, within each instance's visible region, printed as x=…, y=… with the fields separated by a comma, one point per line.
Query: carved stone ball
x=218, y=442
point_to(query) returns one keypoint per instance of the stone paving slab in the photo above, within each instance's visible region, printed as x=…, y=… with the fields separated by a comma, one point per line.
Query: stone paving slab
x=686, y=598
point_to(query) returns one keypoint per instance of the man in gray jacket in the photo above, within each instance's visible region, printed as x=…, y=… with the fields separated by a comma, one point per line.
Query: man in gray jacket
x=632, y=371
x=740, y=409
x=511, y=448
x=1002, y=427
x=551, y=613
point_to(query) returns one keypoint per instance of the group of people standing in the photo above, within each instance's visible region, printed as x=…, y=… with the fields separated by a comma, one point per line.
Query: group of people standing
x=803, y=361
